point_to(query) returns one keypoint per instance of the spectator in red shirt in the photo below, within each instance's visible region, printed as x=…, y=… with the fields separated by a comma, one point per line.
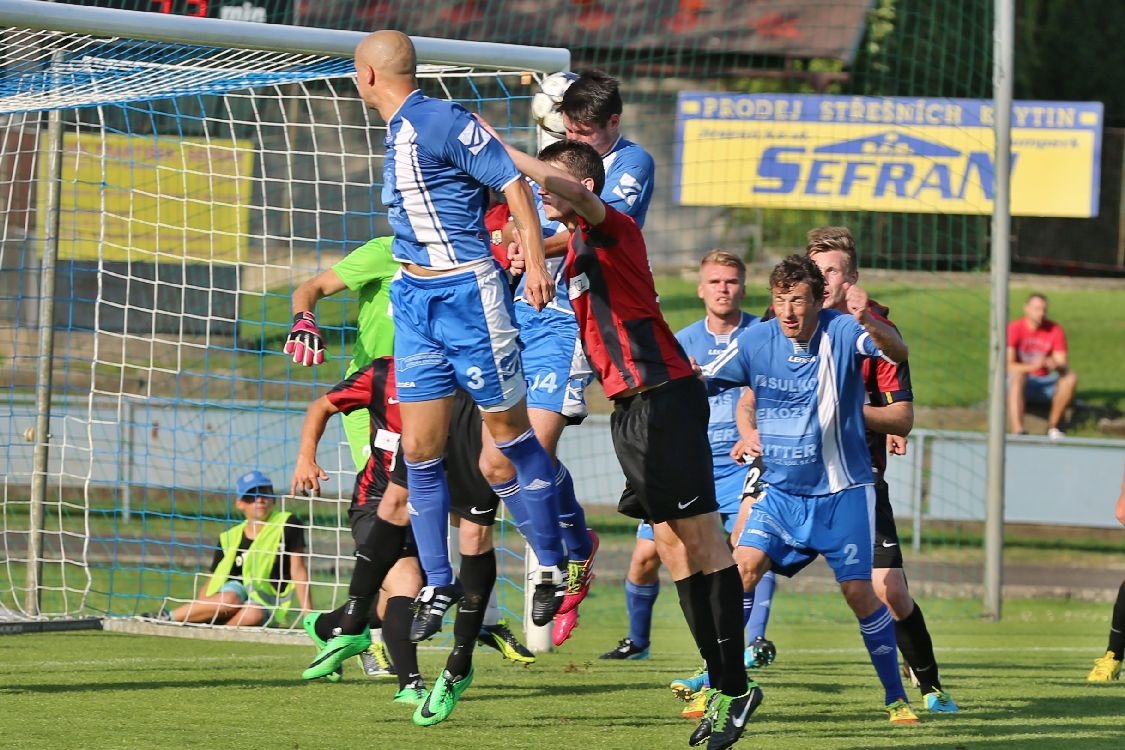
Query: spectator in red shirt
x=1038, y=371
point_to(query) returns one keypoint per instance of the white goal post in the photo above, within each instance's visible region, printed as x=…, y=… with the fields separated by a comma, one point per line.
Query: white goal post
x=165, y=182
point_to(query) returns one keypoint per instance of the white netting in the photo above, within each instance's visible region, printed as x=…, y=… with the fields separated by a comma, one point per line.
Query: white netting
x=196, y=186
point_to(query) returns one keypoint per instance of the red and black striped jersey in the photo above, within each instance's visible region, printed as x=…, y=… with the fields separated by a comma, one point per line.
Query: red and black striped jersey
x=623, y=331
x=885, y=383
x=372, y=387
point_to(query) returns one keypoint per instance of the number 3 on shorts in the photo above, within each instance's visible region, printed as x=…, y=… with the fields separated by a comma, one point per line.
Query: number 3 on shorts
x=475, y=378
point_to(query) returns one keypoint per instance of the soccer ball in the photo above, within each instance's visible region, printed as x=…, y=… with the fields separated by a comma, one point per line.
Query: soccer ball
x=545, y=103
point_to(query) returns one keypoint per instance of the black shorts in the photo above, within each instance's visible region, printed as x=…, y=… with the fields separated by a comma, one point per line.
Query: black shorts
x=470, y=495
x=361, y=518
x=660, y=437
x=888, y=551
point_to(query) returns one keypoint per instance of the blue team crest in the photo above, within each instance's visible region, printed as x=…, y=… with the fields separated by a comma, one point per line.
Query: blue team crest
x=474, y=137
x=509, y=365
x=628, y=189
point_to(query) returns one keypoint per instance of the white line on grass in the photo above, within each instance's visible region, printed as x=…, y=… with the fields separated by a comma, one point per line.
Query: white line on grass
x=150, y=661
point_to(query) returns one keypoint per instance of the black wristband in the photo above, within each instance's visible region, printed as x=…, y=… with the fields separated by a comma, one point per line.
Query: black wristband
x=305, y=315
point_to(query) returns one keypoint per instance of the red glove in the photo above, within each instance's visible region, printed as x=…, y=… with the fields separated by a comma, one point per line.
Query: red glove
x=304, y=341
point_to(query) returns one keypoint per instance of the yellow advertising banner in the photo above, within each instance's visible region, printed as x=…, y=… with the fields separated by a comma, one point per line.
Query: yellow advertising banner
x=883, y=154
x=146, y=198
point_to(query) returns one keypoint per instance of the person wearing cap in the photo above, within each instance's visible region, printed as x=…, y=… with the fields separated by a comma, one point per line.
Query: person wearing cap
x=259, y=568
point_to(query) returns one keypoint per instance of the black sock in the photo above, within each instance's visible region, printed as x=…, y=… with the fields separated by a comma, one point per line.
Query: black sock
x=374, y=558
x=478, y=576
x=1117, y=625
x=695, y=603
x=396, y=634
x=918, y=649
x=327, y=623
x=725, y=601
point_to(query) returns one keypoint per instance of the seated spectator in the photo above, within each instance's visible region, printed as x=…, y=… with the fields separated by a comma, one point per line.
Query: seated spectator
x=259, y=566
x=1038, y=371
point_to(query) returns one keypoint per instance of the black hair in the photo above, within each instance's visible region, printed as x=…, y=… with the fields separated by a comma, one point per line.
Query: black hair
x=798, y=269
x=593, y=98
x=579, y=159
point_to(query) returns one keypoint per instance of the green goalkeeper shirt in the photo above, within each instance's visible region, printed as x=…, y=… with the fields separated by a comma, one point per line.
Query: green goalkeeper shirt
x=368, y=271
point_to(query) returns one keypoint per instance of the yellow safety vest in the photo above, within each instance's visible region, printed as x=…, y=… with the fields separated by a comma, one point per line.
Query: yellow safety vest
x=257, y=564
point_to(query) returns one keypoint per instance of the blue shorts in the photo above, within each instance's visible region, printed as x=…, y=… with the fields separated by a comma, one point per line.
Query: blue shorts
x=729, y=491
x=236, y=588
x=553, y=364
x=457, y=330
x=1041, y=390
x=792, y=530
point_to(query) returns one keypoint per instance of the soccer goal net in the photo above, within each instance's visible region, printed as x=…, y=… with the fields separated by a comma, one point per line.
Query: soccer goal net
x=165, y=184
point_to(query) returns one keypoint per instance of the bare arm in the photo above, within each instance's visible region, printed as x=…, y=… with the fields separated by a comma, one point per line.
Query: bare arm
x=884, y=335
x=1057, y=361
x=588, y=205
x=539, y=287
x=308, y=475
x=311, y=291
x=1014, y=364
x=746, y=420
x=1120, y=508
x=556, y=245
x=892, y=419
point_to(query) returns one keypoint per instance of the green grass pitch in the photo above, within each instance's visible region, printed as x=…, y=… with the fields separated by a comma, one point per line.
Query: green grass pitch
x=1020, y=682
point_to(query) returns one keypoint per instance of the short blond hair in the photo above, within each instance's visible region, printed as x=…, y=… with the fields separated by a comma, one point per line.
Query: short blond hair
x=725, y=258
x=827, y=239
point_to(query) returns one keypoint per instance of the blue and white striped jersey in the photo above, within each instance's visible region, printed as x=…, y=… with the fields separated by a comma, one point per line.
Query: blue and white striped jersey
x=722, y=431
x=809, y=402
x=439, y=163
x=630, y=174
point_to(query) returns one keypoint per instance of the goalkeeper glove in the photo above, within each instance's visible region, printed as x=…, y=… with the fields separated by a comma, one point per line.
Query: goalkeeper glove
x=304, y=341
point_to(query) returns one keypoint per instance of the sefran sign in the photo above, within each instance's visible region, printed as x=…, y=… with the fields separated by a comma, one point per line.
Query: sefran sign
x=898, y=154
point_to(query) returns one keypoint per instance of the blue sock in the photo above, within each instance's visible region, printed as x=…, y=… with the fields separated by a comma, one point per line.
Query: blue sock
x=747, y=609
x=878, y=631
x=429, y=518
x=640, y=599
x=759, y=616
x=509, y=492
x=572, y=519
x=535, y=473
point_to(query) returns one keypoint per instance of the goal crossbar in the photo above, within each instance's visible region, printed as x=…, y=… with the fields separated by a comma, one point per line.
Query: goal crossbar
x=31, y=14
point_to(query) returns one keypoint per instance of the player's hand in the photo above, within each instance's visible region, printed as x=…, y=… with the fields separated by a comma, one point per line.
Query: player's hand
x=517, y=264
x=304, y=341
x=696, y=368
x=539, y=289
x=896, y=445
x=307, y=478
x=747, y=448
x=516, y=260
x=856, y=299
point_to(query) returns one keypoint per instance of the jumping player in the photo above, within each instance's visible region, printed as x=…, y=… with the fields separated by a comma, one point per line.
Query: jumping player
x=659, y=425
x=453, y=316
